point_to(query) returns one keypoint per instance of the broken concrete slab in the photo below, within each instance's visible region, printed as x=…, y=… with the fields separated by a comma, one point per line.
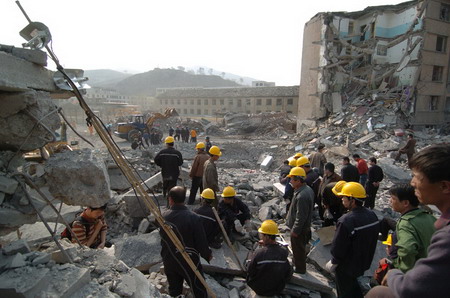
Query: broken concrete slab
x=141, y=251
x=31, y=232
x=21, y=130
x=385, y=145
x=392, y=171
x=23, y=282
x=266, y=163
x=365, y=138
x=78, y=178
x=339, y=151
x=326, y=235
x=11, y=218
x=8, y=185
x=19, y=246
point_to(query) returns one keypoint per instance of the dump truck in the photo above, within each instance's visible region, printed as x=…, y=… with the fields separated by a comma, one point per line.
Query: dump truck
x=132, y=129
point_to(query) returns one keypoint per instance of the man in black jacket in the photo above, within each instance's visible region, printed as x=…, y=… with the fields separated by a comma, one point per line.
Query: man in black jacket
x=268, y=269
x=354, y=242
x=233, y=212
x=169, y=159
x=349, y=172
x=209, y=221
x=373, y=182
x=188, y=227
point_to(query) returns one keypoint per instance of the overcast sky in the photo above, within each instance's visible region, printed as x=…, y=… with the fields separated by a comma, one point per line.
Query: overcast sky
x=255, y=38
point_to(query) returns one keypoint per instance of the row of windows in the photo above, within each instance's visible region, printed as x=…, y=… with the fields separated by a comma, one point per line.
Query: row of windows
x=239, y=102
x=207, y=112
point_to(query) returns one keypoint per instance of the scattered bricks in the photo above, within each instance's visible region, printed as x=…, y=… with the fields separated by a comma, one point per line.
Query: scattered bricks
x=8, y=185
x=19, y=246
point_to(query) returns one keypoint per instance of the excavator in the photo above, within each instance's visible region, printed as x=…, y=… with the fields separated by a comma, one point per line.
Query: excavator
x=130, y=130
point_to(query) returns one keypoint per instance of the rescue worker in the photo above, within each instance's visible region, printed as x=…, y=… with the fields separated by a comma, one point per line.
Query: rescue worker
x=189, y=229
x=297, y=155
x=268, y=270
x=349, y=172
x=288, y=190
x=354, y=242
x=332, y=202
x=373, y=182
x=318, y=159
x=329, y=176
x=210, y=224
x=210, y=176
x=362, y=167
x=193, y=136
x=284, y=171
x=409, y=149
x=208, y=144
x=312, y=179
x=299, y=217
x=234, y=213
x=196, y=172
x=169, y=159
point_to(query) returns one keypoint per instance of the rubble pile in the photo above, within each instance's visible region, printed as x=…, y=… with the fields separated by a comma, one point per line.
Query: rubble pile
x=259, y=124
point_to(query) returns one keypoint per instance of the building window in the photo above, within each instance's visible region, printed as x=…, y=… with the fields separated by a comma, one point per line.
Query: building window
x=441, y=42
x=214, y=102
x=268, y=101
x=178, y=102
x=444, y=14
x=185, y=111
x=205, y=112
x=185, y=101
x=258, y=102
x=199, y=102
x=350, y=28
x=382, y=50
x=434, y=101
x=221, y=102
x=279, y=102
x=239, y=103
x=171, y=101
x=362, y=31
x=230, y=102
x=290, y=101
x=248, y=101
x=206, y=102
x=258, y=111
x=437, y=73
x=192, y=102
x=192, y=111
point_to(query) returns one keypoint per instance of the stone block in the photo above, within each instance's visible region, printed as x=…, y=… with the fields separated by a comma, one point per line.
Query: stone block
x=8, y=185
x=78, y=178
x=236, y=284
x=19, y=246
x=11, y=218
x=23, y=282
x=135, y=206
x=392, y=171
x=266, y=163
x=126, y=285
x=265, y=213
x=234, y=293
x=65, y=280
x=365, y=138
x=141, y=251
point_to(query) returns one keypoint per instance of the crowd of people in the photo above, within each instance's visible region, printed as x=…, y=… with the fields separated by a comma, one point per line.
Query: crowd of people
x=418, y=253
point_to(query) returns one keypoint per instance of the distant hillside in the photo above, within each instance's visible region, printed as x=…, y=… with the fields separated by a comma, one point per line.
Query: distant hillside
x=104, y=77
x=147, y=83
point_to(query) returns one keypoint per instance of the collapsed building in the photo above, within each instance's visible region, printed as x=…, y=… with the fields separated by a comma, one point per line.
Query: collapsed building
x=391, y=53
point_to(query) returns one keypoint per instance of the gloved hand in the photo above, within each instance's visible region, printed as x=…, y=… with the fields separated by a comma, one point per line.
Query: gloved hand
x=248, y=226
x=331, y=267
x=238, y=226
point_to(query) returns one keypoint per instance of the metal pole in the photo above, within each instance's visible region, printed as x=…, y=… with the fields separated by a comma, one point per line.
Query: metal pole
x=225, y=235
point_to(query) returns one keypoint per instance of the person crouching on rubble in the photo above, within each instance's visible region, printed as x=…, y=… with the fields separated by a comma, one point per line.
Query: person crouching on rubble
x=234, y=213
x=90, y=227
x=268, y=269
x=210, y=224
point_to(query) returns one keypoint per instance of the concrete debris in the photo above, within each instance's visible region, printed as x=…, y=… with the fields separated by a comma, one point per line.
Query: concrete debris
x=28, y=124
x=78, y=178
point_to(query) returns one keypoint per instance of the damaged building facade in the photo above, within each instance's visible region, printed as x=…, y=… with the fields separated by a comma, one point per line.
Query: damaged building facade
x=200, y=102
x=392, y=53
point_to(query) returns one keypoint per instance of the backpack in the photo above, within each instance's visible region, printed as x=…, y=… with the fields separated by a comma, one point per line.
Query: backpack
x=87, y=225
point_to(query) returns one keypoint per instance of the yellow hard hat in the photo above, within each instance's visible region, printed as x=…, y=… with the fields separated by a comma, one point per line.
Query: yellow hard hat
x=228, y=192
x=297, y=171
x=338, y=187
x=297, y=155
x=200, y=145
x=388, y=241
x=302, y=161
x=269, y=227
x=208, y=193
x=169, y=140
x=214, y=150
x=293, y=162
x=353, y=190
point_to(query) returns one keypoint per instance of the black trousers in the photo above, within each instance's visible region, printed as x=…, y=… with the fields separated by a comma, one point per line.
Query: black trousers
x=371, y=190
x=177, y=274
x=347, y=286
x=196, y=184
x=167, y=185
